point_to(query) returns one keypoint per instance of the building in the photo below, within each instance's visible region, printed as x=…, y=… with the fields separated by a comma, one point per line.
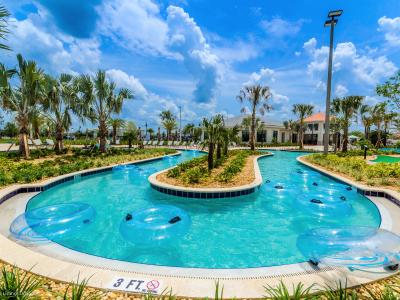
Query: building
x=315, y=129
x=268, y=130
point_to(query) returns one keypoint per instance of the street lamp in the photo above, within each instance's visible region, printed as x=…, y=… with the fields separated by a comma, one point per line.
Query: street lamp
x=333, y=19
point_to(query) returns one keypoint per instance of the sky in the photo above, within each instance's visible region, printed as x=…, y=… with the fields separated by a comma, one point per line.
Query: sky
x=198, y=54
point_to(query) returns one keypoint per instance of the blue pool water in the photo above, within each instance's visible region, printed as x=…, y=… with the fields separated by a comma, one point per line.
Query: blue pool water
x=255, y=230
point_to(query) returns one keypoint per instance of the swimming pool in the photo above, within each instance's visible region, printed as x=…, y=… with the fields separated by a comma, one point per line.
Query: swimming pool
x=256, y=230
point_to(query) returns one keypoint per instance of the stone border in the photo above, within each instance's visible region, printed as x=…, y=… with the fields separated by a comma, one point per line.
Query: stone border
x=62, y=264
x=208, y=193
x=15, y=189
x=363, y=189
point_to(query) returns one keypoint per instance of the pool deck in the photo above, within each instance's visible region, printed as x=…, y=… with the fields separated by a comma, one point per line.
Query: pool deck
x=61, y=264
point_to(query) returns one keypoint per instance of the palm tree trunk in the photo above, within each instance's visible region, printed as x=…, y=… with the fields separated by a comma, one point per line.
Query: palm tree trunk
x=379, y=139
x=301, y=139
x=345, y=138
x=23, y=143
x=102, y=135
x=219, y=151
x=59, y=146
x=253, y=129
x=210, y=158
x=114, y=135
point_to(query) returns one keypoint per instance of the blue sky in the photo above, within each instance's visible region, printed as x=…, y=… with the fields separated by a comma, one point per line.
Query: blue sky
x=197, y=54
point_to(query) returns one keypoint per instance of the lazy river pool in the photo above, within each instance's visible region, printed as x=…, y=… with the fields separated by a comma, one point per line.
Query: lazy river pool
x=255, y=230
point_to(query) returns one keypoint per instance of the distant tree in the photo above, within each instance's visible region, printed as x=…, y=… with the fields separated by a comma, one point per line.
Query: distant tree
x=213, y=128
x=131, y=133
x=188, y=129
x=391, y=90
x=115, y=125
x=347, y=109
x=99, y=101
x=366, y=119
x=302, y=111
x=258, y=97
x=10, y=130
x=4, y=14
x=168, y=121
x=292, y=126
x=378, y=112
x=151, y=132
x=229, y=136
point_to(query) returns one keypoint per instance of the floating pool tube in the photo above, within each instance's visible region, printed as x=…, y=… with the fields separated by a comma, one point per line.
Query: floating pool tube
x=322, y=206
x=353, y=247
x=50, y=222
x=278, y=186
x=155, y=226
x=125, y=168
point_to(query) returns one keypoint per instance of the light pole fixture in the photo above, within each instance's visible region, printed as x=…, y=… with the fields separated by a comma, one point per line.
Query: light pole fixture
x=331, y=22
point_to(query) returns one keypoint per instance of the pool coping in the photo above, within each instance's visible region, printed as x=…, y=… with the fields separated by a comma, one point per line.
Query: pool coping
x=207, y=193
x=185, y=282
x=363, y=189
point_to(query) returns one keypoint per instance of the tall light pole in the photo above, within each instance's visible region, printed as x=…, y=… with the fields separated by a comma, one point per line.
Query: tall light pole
x=333, y=19
x=180, y=123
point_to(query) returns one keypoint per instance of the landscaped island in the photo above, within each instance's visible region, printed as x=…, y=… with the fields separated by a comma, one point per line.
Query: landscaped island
x=235, y=169
x=353, y=166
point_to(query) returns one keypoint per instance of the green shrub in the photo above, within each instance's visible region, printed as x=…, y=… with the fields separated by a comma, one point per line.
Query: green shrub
x=195, y=174
x=13, y=285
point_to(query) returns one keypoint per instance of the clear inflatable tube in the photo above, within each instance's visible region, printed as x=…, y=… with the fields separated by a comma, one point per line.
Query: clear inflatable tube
x=321, y=205
x=363, y=247
x=155, y=226
x=48, y=222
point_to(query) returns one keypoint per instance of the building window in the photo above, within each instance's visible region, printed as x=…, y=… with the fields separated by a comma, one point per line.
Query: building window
x=261, y=136
x=275, y=136
x=310, y=127
x=282, y=137
x=245, y=135
x=316, y=127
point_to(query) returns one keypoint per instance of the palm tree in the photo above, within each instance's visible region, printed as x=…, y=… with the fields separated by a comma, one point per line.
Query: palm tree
x=130, y=133
x=23, y=99
x=336, y=125
x=60, y=103
x=347, y=109
x=4, y=14
x=229, y=135
x=115, y=125
x=37, y=122
x=213, y=127
x=168, y=121
x=258, y=97
x=99, y=101
x=302, y=111
x=151, y=132
x=188, y=129
x=378, y=113
x=366, y=119
x=292, y=126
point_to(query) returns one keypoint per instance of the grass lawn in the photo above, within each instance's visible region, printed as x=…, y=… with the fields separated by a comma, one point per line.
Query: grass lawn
x=46, y=163
x=355, y=167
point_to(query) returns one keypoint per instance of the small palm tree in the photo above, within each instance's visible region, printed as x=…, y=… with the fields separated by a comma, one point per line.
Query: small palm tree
x=229, y=135
x=258, y=97
x=59, y=105
x=302, y=111
x=366, y=119
x=168, y=121
x=151, y=132
x=188, y=129
x=99, y=101
x=115, y=125
x=347, y=109
x=131, y=133
x=292, y=126
x=4, y=14
x=378, y=114
x=24, y=98
x=213, y=128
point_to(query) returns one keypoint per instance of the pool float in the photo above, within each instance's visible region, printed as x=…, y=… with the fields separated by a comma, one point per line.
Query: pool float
x=124, y=168
x=48, y=222
x=353, y=247
x=155, y=226
x=325, y=205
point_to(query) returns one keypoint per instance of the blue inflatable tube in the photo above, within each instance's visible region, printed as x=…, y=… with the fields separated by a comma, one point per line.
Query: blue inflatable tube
x=155, y=226
x=49, y=222
x=359, y=246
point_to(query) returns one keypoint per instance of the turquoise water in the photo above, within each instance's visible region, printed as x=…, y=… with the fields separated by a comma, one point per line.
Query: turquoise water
x=256, y=230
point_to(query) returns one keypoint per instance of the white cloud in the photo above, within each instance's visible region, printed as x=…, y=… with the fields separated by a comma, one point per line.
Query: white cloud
x=341, y=90
x=391, y=29
x=187, y=39
x=239, y=51
x=123, y=80
x=54, y=52
x=134, y=24
x=348, y=64
x=264, y=76
x=280, y=27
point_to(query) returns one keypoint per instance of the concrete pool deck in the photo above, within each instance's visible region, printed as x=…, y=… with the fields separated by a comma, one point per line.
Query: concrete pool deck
x=62, y=264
